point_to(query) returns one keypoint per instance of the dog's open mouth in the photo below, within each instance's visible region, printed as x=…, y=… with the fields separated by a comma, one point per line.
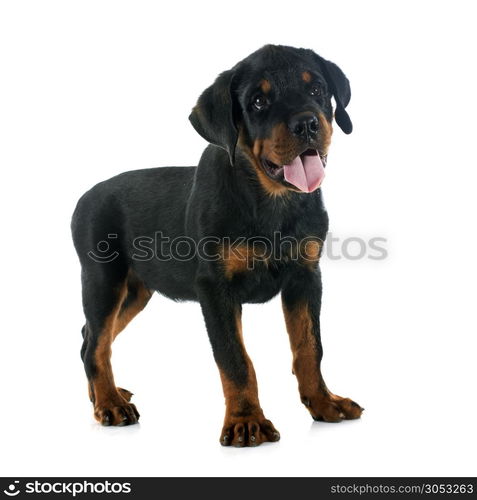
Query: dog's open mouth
x=306, y=171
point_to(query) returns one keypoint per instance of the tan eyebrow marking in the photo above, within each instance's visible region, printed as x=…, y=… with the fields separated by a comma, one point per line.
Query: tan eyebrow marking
x=266, y=86
x=306, y=77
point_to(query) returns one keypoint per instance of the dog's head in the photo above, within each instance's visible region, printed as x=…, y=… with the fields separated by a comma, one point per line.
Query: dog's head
x=275, y=108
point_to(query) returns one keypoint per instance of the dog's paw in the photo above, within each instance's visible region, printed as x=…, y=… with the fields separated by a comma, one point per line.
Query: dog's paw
x=248, y=431
x=117, y=411
x=332, y=408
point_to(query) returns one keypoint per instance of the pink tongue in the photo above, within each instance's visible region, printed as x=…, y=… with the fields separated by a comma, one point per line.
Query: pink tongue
x=306, y=175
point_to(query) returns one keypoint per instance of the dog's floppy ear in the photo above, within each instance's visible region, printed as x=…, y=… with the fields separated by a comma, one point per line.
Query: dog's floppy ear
x=339, y=86
x=213, y=115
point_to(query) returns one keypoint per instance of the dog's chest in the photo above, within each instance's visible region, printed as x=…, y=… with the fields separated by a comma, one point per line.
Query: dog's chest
x=255, y=269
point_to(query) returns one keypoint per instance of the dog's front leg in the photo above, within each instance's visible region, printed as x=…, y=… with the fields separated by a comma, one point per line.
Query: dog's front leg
x=244, y=424
x=301, y=300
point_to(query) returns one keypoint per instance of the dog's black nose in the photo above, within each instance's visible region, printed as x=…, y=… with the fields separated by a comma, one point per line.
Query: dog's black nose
x=304, y=125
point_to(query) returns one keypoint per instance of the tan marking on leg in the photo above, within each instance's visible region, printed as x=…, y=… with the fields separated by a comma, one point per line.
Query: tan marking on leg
x=102, y=388
x=241, y=400
x=320, y=402
x=103, y=384
x=244, y=422
x=133, y=309
x=303, y=345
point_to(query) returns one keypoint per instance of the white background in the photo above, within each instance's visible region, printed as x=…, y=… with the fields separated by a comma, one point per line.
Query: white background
x=93, y=88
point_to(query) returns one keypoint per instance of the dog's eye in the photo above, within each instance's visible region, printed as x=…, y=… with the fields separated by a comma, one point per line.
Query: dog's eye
x=315, y=91
x=259, y=102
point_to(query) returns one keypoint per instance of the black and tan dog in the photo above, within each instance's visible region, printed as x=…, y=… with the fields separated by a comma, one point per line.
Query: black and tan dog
x=253, y=215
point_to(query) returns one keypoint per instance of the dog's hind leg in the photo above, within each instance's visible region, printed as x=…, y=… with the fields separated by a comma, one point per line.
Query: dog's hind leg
x=112, y=297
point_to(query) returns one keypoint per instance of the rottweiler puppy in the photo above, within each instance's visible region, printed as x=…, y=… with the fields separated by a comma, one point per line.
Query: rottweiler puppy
x=244, y=225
